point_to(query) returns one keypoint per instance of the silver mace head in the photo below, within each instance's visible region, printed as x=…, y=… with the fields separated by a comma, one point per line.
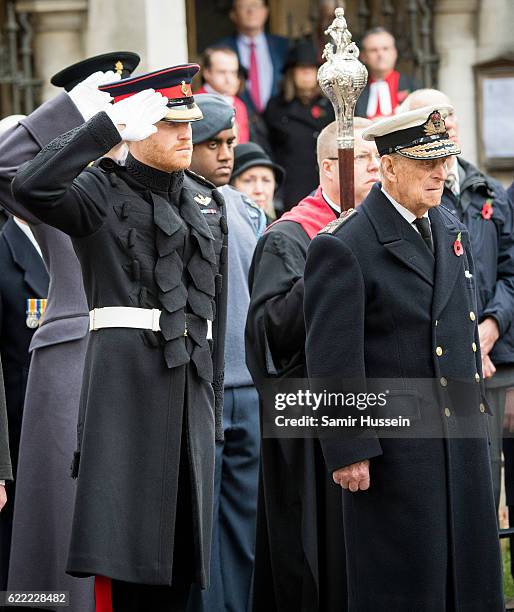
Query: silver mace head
x=342, y=77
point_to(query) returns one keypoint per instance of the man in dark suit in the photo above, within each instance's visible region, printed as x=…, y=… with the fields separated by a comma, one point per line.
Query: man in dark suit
x=386, y=87
x=390, y=294
x=249, y=18
x=262, y=55
x=23, y=289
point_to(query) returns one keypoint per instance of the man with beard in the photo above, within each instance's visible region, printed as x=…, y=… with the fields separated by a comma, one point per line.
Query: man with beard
x=300, y=558
x=237, y=457
x=390, y=294
x=153, y=269
x=45, y=492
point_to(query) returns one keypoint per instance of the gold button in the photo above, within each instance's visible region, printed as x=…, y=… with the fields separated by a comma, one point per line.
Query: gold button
x=474, y=347
x=482, y=408
x=477, y=377
x=447, y=412
x=443, y=382
x=472, y=316
x=439, y=351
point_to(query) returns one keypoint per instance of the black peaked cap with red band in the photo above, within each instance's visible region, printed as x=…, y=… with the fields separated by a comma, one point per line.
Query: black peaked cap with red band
x=121, y=62
x=174, y=83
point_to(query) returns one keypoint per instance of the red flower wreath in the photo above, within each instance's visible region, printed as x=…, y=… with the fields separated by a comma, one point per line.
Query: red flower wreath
x=458, y=249
x=487, y=210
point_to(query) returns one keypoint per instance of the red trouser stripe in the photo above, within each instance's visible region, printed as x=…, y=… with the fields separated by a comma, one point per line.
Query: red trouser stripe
x=103, y=594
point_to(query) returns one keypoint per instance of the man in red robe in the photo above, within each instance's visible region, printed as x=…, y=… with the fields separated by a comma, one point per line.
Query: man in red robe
x=386, y=88
x=300, y=558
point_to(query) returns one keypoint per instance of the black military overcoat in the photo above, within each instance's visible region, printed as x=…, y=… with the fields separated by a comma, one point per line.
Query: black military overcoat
x=148, y=398
x=378, y=304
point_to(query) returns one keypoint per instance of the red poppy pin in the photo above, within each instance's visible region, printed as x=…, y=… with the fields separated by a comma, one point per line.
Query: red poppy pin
x=316, y=112
x=487, y=210
x=457, y=246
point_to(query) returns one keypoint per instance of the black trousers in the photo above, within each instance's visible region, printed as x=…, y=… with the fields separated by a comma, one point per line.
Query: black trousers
x=131, y=597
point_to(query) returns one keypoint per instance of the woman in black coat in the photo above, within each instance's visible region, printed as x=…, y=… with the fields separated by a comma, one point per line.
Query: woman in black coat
x=294, y=119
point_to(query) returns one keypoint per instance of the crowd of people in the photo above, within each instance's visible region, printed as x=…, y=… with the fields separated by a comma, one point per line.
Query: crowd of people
x=167, y=249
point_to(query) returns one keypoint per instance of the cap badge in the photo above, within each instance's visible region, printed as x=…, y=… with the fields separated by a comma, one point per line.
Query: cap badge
x=202, y=200
x=118, y=67
x=184, y=88
x=435, y=124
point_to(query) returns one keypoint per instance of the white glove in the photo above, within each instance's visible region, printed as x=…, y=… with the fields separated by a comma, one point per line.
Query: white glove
x=86, y=96
x=135, y=116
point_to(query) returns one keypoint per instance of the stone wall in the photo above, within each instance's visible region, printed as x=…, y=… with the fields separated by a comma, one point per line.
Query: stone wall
x=66, y=31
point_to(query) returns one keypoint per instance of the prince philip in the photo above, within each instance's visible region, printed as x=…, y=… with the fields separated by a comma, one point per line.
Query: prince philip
x=390, y=294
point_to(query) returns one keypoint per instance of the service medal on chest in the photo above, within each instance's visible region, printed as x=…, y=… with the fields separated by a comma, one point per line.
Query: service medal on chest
x=35, y=310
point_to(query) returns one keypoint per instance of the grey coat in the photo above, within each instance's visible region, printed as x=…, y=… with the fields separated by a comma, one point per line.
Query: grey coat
x=45, y=491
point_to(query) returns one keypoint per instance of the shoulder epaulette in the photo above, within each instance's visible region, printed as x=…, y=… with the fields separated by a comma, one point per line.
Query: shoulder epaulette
x=336, y=223
x=200, y=179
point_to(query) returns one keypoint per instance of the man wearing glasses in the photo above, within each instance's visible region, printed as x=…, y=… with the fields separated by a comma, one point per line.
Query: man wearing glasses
x=300, y=557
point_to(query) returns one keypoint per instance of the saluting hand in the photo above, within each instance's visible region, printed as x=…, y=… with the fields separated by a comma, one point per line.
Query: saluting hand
x=86, y=96
x=3, y=497
x=135, y=116
x=354, y=477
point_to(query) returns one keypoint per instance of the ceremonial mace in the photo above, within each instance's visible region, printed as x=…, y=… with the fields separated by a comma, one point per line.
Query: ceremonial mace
x=342, y=78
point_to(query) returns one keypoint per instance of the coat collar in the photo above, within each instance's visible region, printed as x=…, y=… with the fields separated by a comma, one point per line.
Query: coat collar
x=27, y=258
x=153, y=179
x=402, y=241
x=397, y=236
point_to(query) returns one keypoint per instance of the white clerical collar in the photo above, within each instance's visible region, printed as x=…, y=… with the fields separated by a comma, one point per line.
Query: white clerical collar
x=28, y=232
x=406, y=214
x=335, y=207
x=379, y=90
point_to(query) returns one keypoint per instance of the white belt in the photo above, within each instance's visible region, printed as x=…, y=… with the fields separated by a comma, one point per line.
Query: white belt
x=135, y=318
